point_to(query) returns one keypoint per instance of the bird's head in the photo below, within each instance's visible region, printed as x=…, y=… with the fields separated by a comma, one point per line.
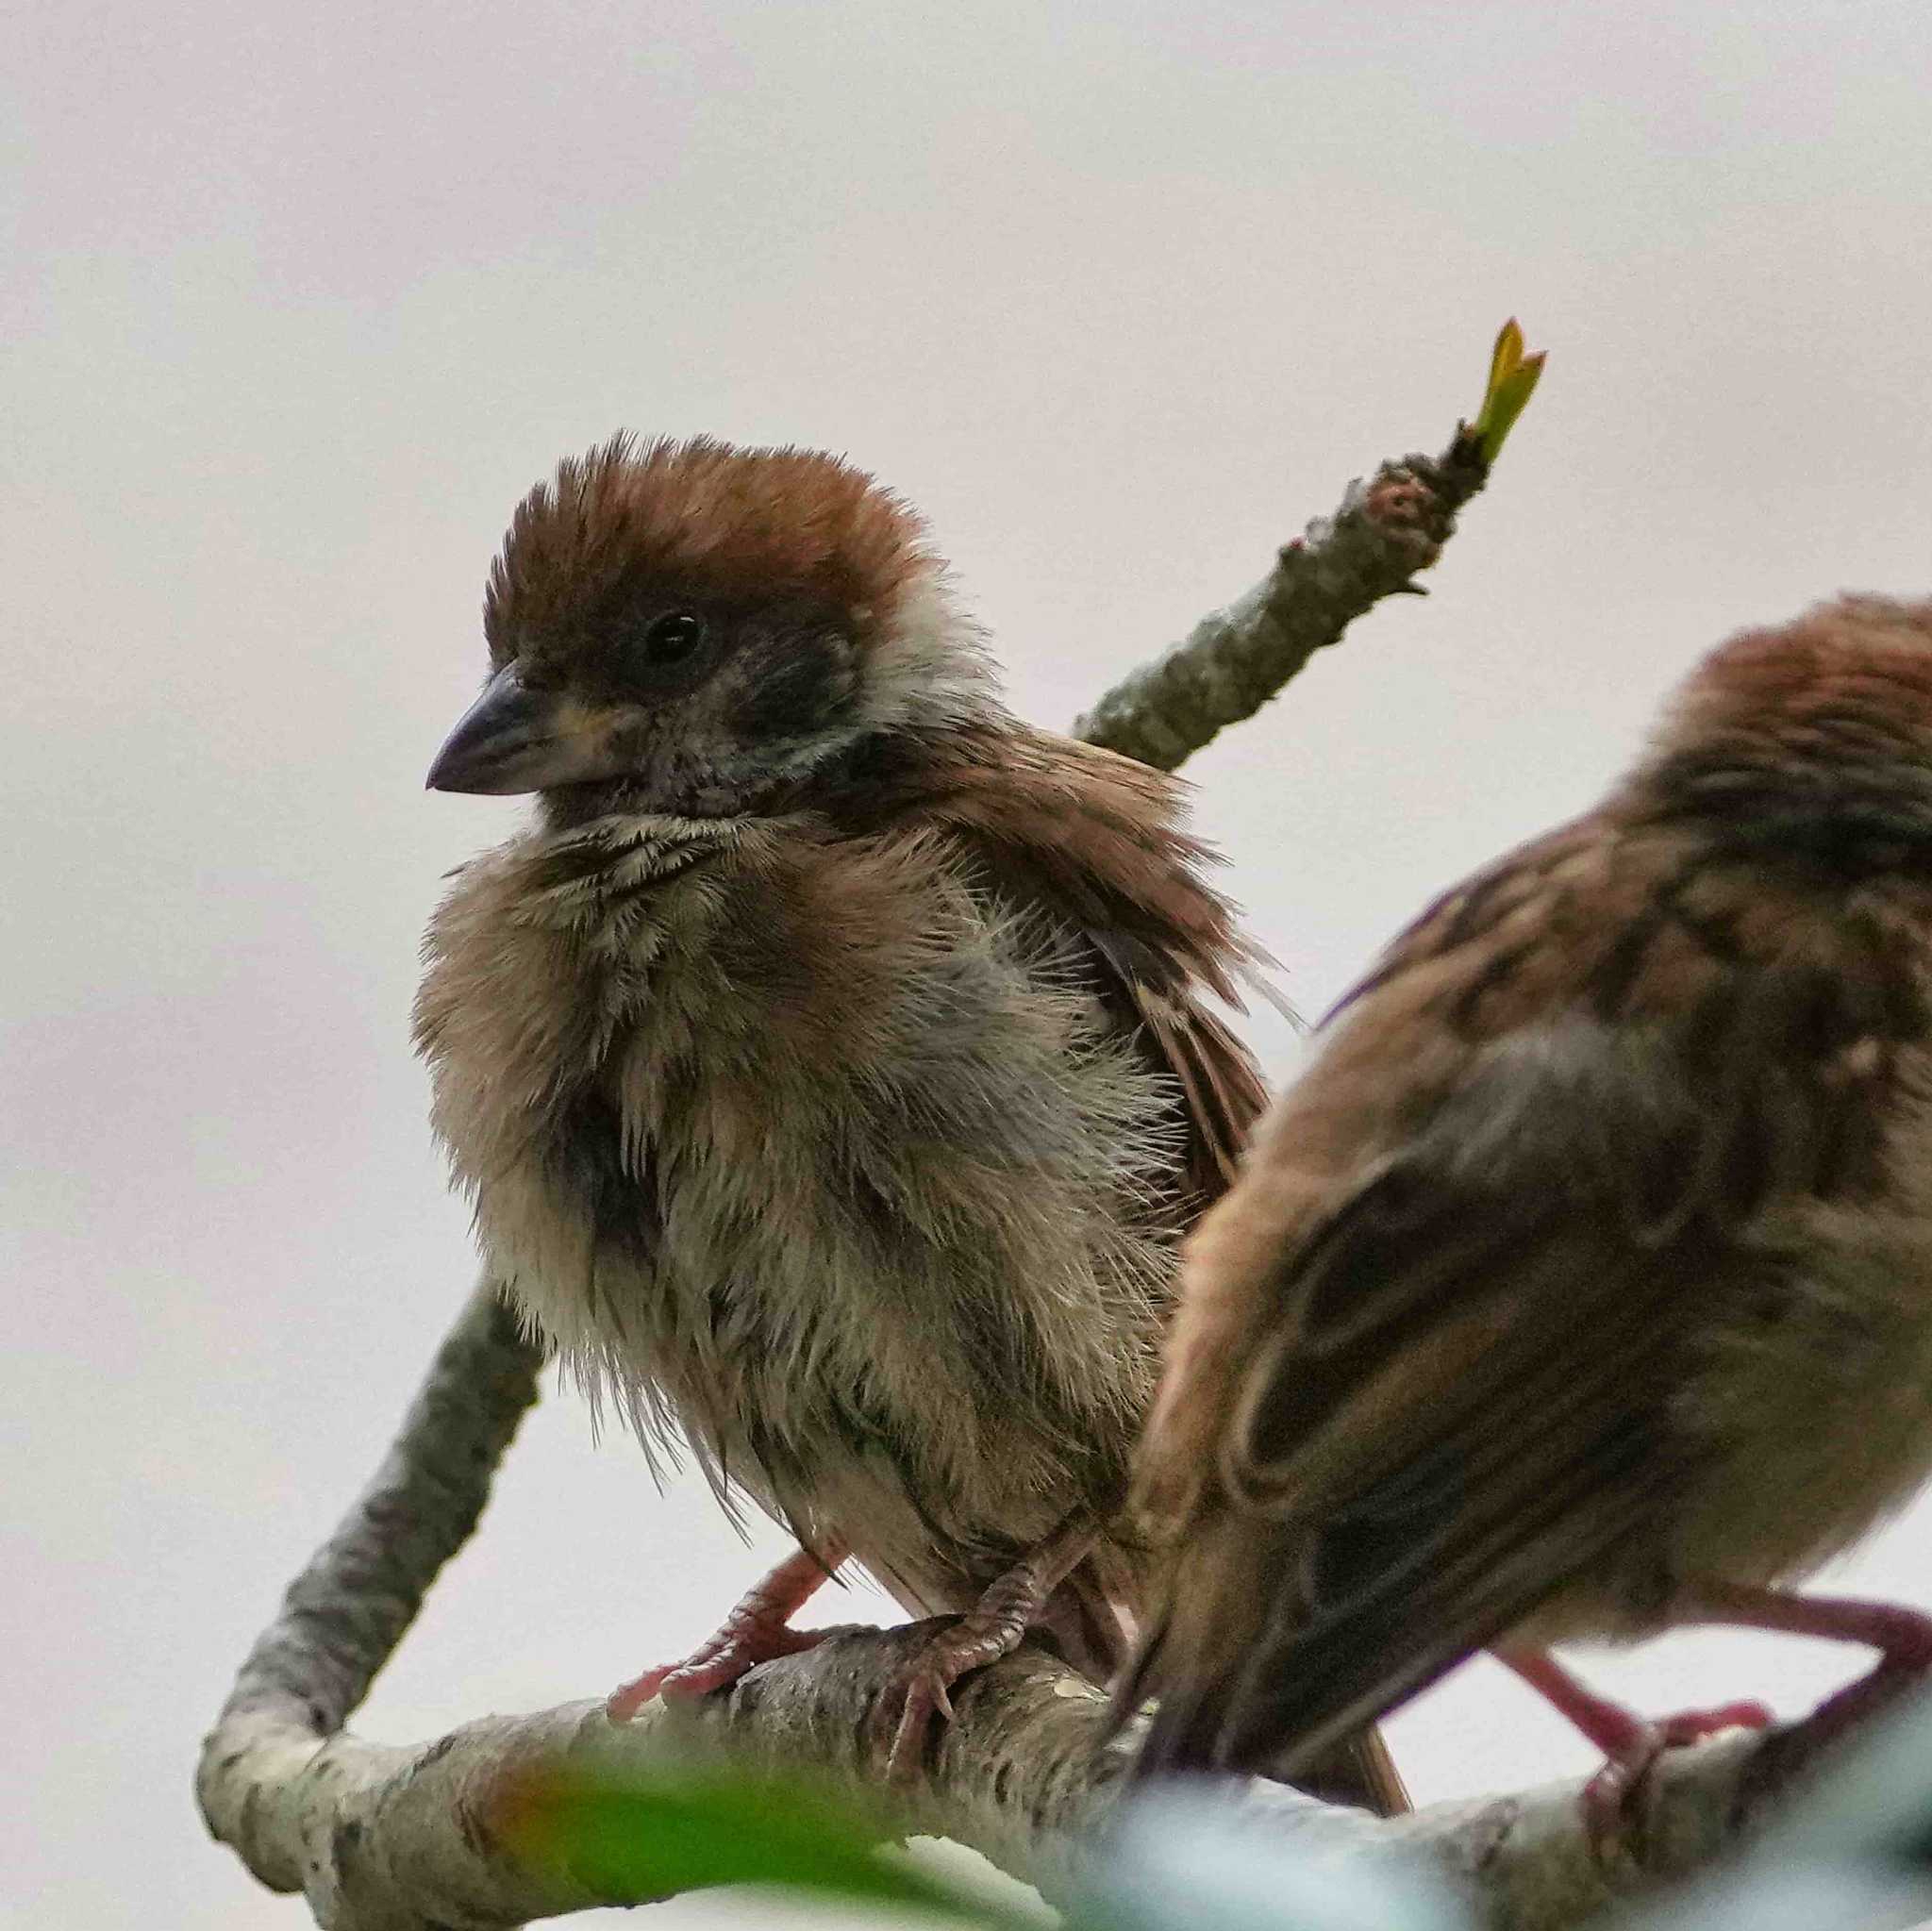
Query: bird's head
x=700, y=626
x=1829, y=714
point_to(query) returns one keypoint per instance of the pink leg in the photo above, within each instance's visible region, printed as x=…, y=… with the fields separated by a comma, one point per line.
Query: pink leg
x=1903, y=1639
x=1631, y=1743
x=754, y=1633
x=991, y=1629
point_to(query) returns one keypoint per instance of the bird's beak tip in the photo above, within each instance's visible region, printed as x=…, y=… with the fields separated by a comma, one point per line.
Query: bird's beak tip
x=444, y=774
x=514, y=740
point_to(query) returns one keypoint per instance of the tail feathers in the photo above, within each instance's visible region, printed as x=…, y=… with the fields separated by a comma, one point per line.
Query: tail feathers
x=1298, y=1688
x=1298, y=1702
x=1359, y=1770
x=1185, y=1731
x=1094, y=1632
x=1193, y=1720
x=1198, y=1659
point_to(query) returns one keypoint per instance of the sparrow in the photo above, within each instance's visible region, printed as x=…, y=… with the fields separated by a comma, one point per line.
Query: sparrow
x=1581, y=1285
x=833, y=1059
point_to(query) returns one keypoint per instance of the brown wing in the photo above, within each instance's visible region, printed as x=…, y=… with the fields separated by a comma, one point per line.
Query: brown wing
x=1547, y=1133
x=1093, y=838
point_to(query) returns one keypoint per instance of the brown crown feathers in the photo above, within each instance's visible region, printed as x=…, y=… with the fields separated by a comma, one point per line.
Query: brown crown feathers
x=703, y=519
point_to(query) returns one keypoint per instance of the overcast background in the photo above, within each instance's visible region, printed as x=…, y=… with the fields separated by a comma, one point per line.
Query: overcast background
x=298, y=302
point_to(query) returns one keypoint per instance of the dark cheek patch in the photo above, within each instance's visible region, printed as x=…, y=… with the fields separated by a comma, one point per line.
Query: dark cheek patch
x=794, y=688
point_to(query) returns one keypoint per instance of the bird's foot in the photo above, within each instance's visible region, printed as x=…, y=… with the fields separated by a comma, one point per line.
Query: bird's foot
x=1631, y=1744
x=1902, y=1637
x=921, y=1690
x=1636, y=1745
x=756, y=1631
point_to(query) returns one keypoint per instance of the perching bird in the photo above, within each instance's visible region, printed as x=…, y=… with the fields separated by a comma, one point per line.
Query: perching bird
x=827, y=1059
x=1582, y=1285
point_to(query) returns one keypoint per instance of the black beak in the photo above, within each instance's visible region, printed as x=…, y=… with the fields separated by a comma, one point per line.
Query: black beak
x=513, y=739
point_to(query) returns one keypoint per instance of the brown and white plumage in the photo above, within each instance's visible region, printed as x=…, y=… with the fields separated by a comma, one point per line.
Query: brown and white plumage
x=829, y=1061
x=1583, y=1283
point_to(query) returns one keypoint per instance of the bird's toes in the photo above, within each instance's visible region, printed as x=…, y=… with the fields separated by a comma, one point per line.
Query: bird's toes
x=1694, y=1726
x=1611, y=1800
x=923, y=1690
x=734, y=1652
x=627, y=1699
x=906, y=1712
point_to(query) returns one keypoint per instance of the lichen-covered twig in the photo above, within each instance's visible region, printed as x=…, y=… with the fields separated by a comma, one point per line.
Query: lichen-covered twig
x=1235, y=660
x=1386, y=532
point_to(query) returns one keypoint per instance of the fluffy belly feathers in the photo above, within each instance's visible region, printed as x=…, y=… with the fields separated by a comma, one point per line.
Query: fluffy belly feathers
x=891, y=1256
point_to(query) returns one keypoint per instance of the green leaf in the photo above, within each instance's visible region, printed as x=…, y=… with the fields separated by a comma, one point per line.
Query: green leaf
x=1513, y=377
x=634, y=1839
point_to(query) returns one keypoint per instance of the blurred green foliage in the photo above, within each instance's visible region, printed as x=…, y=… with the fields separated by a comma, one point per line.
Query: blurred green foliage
x=632, y=1840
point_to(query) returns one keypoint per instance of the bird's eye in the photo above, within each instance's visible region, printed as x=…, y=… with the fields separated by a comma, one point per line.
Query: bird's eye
x=673, y=638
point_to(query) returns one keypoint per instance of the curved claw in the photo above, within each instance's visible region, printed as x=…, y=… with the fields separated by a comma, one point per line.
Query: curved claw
x=919, y=1697
x=1609, y=1798
x=923, y=1688
x=625, y=1702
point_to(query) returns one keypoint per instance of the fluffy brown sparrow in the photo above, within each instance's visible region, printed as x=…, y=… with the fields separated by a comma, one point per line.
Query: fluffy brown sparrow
x=827, y=1059
x=1582, y=1286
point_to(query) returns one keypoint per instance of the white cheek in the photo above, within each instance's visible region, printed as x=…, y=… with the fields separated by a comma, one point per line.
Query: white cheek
x=931, y=667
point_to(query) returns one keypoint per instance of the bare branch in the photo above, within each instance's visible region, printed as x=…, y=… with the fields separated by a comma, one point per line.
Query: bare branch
x=344, y=1614
x=397, y=1839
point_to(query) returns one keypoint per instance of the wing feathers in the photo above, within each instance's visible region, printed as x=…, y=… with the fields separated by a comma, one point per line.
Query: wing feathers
x=1454, y=1400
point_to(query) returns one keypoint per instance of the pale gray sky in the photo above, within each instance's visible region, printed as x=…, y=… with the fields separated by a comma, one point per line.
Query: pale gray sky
x=296, y=303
